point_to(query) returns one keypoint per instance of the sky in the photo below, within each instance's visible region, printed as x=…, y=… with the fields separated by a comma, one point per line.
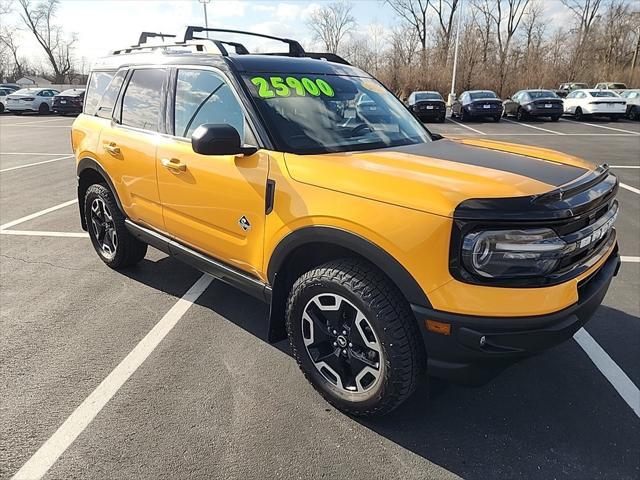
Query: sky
x=105, y=25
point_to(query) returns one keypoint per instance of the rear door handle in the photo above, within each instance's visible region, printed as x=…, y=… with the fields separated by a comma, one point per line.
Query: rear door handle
x=173, y=164
x=112, y=148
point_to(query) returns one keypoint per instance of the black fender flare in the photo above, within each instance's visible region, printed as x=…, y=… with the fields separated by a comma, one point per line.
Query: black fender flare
x=356, y=243
x=85, y=164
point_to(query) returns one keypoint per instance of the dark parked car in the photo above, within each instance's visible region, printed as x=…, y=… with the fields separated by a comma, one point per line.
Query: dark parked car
x=69, y=101
x=476, y=104
x=534, y=103
x=14, y=87
x=427, y=106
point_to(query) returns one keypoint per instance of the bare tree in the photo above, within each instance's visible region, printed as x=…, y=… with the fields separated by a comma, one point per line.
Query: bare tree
x=39, y=20
x=331, y=23
x=446, y=10
x=414, y=12
x=586, y=11
x=10, y=44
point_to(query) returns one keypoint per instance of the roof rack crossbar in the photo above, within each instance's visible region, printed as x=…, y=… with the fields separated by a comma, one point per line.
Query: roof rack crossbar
x=240, y=49
x=295, y=49
x=146, y=35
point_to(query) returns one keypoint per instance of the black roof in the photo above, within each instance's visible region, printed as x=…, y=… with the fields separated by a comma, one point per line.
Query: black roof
x=239, y=63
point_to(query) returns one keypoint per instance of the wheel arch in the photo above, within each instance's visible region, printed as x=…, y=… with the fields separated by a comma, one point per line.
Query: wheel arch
x=309, y=247
x=90, y=172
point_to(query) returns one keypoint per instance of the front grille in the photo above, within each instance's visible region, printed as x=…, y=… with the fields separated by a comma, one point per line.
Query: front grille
x=589, y=237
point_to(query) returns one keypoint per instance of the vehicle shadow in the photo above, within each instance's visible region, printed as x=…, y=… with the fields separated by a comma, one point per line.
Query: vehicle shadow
x=551, y=416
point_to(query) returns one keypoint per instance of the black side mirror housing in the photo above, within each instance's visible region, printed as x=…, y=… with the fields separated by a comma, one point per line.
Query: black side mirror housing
x=219, y=139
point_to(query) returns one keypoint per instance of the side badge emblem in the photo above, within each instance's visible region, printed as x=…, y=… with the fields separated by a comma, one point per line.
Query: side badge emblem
x=244, y=223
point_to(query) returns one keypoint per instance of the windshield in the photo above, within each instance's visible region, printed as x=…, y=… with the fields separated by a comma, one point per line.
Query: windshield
x=483, y=94
x=542, y=94
x=603, y=94
x=308, y=113
x=427, y=96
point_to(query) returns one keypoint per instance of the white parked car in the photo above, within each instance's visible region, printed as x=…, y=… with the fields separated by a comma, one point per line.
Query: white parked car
x=3, y=98
x=616, y=87
x=632, y=98
x=604, y=103
x=31, y=100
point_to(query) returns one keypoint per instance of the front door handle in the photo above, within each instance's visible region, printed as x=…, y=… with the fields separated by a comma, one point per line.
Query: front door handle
x=173, y=164
x=112, y=148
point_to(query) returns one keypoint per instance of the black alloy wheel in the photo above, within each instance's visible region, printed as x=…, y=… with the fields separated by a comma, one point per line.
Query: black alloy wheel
x=43, y=109
x=578, y=115
x=521, y=115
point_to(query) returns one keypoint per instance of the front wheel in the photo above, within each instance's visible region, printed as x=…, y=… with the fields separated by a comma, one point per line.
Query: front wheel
x=633, y=114
x=578, y=115
x=464, y=116
x=521, y=115
x=43, y=109
x=110, y=238
x=354, y=337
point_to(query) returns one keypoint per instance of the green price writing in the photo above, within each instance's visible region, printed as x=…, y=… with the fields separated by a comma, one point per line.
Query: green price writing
x=285, y=87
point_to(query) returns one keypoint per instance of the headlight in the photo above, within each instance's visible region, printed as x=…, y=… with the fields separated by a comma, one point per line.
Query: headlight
x=512, y=253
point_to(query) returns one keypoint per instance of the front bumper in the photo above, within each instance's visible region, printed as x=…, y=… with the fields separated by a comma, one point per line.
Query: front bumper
x=478, y=348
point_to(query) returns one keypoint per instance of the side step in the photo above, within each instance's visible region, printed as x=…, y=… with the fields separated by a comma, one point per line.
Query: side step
x=236, y=278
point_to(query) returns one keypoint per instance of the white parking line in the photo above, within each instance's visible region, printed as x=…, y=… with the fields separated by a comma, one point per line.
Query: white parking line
x=466, y=126
x=36, y=163
x=543, y=134
x=41, y=461
x=37, y=214
x=600, y=126
x=35, y=154
x=36, y=233
x=630, y=188
x=532, y=126
x=34, y=126
x=610, y=369
x=624, y=166
x=40, y=121
x=630, y=259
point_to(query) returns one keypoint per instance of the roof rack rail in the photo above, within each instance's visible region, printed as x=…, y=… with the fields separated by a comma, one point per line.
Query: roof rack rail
x=295, y=49
x=146, y=35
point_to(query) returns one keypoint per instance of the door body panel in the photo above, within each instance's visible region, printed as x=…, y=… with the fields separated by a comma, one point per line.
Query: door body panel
x=129, y=155
x=203, y=204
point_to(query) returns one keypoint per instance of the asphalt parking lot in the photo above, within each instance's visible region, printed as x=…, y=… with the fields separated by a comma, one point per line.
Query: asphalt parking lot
x=214, y=400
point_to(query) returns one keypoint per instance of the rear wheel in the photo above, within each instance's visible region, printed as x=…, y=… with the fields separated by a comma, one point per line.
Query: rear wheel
x=441, y=119
x=1, y=108
x=43, y=109
x=496, y=118
x=578, y=115
x=555, y=118
x=613, y=118
x=112, y=241
x=354, y=337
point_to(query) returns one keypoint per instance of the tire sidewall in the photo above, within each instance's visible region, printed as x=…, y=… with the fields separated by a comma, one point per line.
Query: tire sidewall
x=102, y=192
x=333, y=394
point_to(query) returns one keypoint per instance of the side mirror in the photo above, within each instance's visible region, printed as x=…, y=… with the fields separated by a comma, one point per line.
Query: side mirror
x=219, y=139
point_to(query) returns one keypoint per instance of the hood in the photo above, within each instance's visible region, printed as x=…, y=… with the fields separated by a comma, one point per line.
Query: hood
x=435, y=177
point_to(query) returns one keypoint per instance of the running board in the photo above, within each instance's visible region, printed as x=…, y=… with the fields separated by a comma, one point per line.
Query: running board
x=204, y=263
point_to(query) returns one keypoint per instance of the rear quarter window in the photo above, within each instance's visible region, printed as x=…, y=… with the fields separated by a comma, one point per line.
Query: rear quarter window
x=96, y=87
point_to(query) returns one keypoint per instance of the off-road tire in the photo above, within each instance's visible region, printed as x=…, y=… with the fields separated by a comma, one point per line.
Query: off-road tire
x=390, y=317
x=129, y=250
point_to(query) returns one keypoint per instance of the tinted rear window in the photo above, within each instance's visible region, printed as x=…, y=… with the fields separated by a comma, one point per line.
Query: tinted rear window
x=72, y=93
x=141, y=102
x=542, y=94
x=97, y=85
x=602, y=94
x=427, y=96
x=483, y=94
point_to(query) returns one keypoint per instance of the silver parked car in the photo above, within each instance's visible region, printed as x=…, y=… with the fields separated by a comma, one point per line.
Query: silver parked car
x=633, y=103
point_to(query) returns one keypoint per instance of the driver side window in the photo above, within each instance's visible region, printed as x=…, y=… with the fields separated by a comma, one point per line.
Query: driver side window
x=203, y=96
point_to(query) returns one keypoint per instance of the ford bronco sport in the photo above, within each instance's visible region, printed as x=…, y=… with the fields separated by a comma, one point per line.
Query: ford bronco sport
x=385, y=252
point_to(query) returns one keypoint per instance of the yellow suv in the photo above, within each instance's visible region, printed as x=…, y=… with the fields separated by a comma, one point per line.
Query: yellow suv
x=385, y=252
